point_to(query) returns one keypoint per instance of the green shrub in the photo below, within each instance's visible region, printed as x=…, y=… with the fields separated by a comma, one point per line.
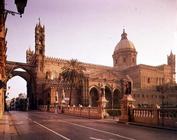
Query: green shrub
x=114, y=112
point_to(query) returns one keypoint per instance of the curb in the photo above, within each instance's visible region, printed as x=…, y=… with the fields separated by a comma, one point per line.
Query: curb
x=146, y=125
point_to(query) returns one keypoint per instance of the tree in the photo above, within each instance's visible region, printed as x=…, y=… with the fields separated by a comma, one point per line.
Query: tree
x=72, y=75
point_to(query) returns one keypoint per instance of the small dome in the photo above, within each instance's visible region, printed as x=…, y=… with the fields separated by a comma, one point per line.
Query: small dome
x=124, y=43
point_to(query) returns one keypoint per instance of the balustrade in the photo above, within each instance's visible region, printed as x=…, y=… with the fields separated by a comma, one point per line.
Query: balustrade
x=163, y=116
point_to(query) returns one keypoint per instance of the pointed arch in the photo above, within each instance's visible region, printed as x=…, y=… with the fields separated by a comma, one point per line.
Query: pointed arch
x=117, y=96
x=94, y=96
x=109, y=96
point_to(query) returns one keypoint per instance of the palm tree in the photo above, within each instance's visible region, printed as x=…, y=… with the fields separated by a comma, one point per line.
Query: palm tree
x=72, y=75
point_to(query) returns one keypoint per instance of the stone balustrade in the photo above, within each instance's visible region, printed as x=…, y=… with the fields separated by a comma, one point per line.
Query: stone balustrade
x=88, y=112
x=161, y=117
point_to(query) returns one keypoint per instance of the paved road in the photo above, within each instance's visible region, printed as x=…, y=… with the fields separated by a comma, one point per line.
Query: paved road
x=48, y=126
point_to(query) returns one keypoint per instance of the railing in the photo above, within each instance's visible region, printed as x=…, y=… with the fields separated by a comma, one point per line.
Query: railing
x=160, y=117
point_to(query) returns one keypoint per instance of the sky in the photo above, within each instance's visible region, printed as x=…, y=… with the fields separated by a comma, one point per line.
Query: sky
x=89, y=30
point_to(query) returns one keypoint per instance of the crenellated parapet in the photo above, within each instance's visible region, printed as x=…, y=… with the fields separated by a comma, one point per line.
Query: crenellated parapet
x=56, y=60
x=60, y=60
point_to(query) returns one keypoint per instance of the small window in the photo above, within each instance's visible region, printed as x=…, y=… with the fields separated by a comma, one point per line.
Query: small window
x=148, y=80
x=40, y=51
x=116, y=61
x=56, y=98
x=133, y=60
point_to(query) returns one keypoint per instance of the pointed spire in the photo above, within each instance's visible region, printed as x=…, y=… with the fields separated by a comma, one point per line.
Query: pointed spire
x=171, y=53
x=124, y=34
x=39, y=21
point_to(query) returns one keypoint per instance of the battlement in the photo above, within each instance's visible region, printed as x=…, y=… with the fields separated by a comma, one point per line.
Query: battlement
x=60, y=60
x=54, y=59
x=96, y=65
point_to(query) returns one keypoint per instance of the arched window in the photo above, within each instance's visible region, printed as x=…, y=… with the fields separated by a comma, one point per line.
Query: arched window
x=94, y=96
x=48, y=75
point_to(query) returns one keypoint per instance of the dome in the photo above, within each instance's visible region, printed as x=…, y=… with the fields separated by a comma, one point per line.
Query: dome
x=124, y=43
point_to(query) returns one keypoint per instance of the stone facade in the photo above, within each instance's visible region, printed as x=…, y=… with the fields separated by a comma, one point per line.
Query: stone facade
x=143, y=78
x=3, y=49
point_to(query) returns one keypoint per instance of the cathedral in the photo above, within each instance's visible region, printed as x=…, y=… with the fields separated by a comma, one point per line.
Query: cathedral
x=143, y=78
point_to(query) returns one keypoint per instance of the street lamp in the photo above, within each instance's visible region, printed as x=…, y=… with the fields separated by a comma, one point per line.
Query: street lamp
x=89, y=110
x=80, y=109
x=20, y=4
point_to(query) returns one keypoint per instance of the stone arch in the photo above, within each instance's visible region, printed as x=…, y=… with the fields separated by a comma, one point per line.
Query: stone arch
x=117, y=96
x=94, y=96
x=48, y=75
x=27, y=75
x=109, y=96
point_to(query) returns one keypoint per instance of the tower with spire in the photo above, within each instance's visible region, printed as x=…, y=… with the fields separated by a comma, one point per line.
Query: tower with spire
x=39, y=46
x=172, y=63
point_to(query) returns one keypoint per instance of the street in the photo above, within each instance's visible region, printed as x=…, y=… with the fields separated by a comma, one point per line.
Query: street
x=36, y=125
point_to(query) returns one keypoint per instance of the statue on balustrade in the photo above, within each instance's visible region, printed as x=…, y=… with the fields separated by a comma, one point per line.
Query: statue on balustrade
x=126, y=87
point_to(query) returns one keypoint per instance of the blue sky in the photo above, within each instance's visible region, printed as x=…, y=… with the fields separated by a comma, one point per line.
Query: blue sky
x=89, y=30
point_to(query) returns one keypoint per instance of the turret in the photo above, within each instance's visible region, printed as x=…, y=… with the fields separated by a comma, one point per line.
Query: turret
x=29, y=56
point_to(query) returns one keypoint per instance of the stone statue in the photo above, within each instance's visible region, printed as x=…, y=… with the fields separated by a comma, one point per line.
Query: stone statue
x=126, y=87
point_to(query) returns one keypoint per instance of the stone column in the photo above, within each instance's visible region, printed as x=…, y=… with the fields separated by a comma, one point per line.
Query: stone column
x=2, y=55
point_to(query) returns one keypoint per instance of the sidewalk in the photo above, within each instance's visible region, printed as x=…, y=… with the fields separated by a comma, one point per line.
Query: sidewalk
x=153, y=126
x=7, y=128
x=116, y=120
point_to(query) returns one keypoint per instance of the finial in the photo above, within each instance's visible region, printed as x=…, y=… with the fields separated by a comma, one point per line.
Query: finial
x=171, y=52
x=124, y=34
x=39, y=20
x=123, y=29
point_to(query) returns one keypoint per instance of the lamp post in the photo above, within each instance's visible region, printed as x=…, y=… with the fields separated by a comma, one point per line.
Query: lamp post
x=21, y=4
x=89, y=110
x=80, y=109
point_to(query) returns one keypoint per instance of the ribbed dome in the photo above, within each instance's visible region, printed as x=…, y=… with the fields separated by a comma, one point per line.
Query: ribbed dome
x=124, y=43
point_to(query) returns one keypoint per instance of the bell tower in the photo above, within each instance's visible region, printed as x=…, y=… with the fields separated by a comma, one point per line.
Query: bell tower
x=172, y=62
x=39, y=46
